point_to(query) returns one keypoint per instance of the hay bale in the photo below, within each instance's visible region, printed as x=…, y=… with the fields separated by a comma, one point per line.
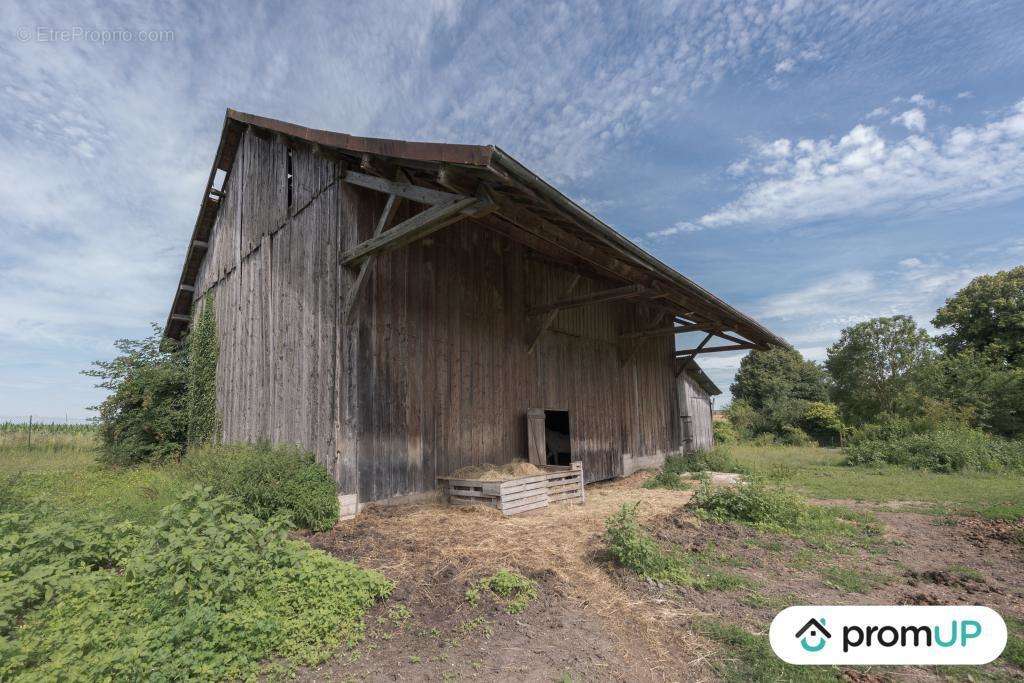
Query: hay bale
x=489, y=472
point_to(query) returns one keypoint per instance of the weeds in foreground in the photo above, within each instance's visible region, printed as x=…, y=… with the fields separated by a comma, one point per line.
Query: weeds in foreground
x=668, y=480
x=749, y=657
x=634, y=549
x=851, y=580
x=770, y=508
x=209, y=592
x=517, y=590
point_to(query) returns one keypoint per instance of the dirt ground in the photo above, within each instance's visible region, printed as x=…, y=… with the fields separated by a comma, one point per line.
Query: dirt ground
x=593, y=621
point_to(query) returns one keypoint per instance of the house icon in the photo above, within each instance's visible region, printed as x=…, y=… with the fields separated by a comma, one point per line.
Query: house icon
x=815, y=629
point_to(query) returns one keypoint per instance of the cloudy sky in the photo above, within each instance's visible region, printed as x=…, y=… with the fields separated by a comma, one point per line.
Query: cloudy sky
x=815, y=164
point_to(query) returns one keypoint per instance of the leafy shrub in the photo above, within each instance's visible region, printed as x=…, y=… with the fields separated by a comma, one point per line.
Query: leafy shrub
x=143, y=419
x=209, y=593
x=633, y=549
x=823, y=423
x=743, y=418
x=718, y=459
x=515, y=588
x=630, y=546
x=667, y=480
x=765, y=439
x=754, y=503
x=725, y=433
x=794, y=436
x=772, y=509
x=269, y=480
x=948, y=449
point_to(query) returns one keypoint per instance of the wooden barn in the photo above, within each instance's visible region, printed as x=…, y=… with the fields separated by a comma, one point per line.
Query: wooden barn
x=399, y=308
x=696, y=409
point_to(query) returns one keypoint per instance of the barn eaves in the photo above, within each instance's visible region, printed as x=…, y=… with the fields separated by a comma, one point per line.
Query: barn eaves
x=486, y=184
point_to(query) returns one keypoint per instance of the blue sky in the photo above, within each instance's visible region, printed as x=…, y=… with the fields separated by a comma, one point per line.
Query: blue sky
x=815, y=164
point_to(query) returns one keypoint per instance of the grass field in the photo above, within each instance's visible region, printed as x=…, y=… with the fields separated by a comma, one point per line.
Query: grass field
x=60, y=471
x=819, y=473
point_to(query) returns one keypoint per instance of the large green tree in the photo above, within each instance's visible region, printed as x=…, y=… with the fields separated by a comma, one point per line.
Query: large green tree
x=873, y=366
x=988, y=392
x=766, y=378
x=987, y=316
x=773, y=390
x=143, y=419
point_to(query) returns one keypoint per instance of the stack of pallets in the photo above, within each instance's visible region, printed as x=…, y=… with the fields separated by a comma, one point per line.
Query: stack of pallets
x=521, y=494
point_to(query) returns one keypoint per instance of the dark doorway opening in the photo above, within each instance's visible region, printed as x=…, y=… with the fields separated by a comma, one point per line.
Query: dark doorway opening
x=557, y=439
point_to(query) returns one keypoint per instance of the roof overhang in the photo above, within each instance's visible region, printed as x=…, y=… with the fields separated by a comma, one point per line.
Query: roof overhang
x=527, y=209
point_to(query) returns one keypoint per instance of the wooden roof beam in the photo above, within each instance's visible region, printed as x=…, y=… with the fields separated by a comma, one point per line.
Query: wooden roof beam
x=715, y=349
x=604, y=296
x=419, y=226
x=659, y=331
x=406, y=190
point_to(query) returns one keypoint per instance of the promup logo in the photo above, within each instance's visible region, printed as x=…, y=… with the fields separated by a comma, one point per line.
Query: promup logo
x=817, y=631
x=888, y=635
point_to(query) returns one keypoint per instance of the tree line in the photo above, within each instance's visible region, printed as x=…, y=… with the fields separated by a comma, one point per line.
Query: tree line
x=890, y=369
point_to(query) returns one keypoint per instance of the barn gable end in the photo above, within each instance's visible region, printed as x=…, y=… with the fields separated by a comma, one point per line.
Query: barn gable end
x=453, y=335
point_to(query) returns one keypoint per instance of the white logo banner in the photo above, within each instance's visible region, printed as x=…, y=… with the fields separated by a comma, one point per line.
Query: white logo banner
x=888, y=635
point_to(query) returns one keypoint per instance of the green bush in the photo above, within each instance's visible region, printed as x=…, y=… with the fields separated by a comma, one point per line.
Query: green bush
x=947, y=449
x=269, y=480
x=143, y=419
x=754, y=503
x=725, y=433
x=823, y=423
x=718, y=459
x=667, y=480
x=633, y=549
x=208, y=593
x=765, y=439
x=794, y=436
x=630, y=546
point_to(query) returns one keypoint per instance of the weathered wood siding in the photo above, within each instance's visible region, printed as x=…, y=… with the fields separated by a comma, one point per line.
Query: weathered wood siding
x=695, y=418
x=433, y=372
x=274, y=279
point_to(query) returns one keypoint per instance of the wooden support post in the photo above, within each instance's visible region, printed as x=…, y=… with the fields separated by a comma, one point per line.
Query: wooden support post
x=549, y=317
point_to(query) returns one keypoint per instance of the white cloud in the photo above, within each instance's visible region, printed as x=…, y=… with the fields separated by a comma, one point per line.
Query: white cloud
x=679, y=227
x=865, y=174
x=877, y=112
x=913, y=119
x=785, y=66
x=912, y=262
x=965, y=95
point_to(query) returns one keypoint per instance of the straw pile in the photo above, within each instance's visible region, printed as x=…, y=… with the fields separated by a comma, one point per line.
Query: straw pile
x=489, y=472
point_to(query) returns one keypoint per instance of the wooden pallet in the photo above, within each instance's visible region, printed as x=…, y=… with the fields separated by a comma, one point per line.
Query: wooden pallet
x=521, y=494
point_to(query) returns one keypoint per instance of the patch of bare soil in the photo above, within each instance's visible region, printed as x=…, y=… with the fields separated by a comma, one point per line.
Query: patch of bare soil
x=585, y=623
x=594, y=621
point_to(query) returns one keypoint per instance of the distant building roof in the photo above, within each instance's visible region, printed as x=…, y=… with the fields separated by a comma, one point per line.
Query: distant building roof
x=709, y=387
